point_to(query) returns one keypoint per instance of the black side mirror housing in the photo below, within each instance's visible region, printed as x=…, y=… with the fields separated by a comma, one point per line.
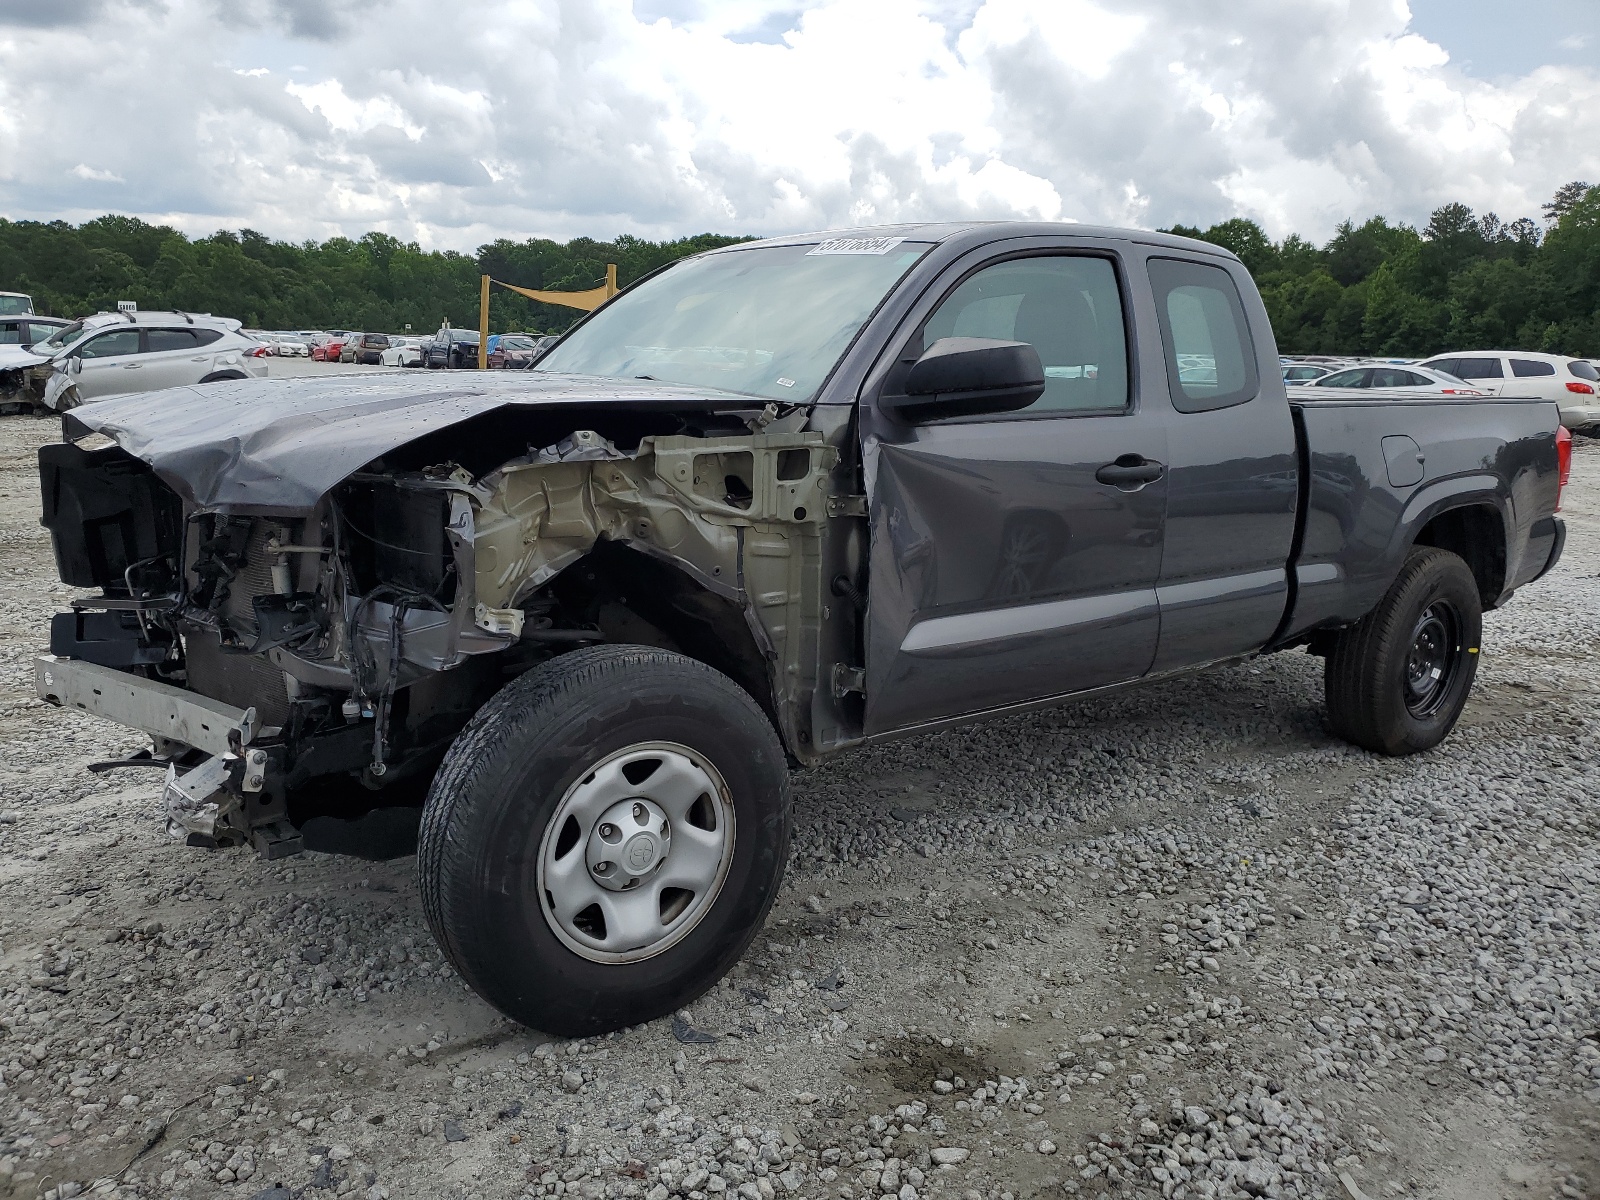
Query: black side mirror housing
x=966, y=377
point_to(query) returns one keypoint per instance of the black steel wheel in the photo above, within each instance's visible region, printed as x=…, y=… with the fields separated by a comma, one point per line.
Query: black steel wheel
x=1436, y=656
x=1397, y=680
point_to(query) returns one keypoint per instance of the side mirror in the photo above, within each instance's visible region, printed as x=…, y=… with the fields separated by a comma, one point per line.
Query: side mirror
x=74, y=365
x=965, y=377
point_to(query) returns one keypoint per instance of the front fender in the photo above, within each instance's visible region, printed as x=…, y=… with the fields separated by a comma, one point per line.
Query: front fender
x=60, y=384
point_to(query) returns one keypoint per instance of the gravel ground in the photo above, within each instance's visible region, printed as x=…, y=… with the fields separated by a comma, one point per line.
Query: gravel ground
x=1177, y=944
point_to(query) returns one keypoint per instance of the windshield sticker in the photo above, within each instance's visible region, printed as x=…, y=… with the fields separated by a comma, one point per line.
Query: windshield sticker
x=781, y=381
x=876, y=245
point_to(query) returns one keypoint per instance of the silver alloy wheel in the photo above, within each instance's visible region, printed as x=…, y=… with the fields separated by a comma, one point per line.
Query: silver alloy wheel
x=636, y=853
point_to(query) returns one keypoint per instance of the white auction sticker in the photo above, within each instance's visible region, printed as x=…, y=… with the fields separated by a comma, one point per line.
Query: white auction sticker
x=872, y=245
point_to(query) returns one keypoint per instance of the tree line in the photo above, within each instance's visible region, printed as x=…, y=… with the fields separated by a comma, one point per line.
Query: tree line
x=374, y=282
x=1463, y=282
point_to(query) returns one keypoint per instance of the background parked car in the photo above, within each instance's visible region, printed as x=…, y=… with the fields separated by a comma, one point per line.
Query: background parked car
x=402, y=352
x=14, y=304
x=511, y=351
x=329, y=351
x=366, y=348
x=1295, y=373
x=1573, y=383
x=455, y=348
x=114, y=353
x=24, y=330
x=1412, y=379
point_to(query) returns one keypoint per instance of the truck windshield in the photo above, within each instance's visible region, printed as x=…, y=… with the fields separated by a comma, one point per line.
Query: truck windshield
x=770, y=321
x=14, y=304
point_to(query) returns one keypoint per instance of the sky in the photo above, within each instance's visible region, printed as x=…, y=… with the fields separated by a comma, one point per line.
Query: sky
x=453, y=125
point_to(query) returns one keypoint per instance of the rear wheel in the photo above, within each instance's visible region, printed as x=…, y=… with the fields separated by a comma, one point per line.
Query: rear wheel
x=605, y=838
x=1397, y=680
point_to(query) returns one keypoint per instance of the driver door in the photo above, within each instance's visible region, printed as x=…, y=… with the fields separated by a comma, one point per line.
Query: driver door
x=1014, y=557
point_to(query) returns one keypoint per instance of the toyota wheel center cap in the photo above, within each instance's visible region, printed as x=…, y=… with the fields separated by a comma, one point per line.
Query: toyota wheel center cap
x=639, y=855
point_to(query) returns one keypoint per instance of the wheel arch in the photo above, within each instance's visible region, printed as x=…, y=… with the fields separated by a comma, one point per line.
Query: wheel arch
x=1476, y=533
x=643, y=599
x=219, y=376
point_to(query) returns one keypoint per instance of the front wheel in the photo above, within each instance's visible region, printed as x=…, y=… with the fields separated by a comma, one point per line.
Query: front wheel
x=1397, y=680
x=605, y=838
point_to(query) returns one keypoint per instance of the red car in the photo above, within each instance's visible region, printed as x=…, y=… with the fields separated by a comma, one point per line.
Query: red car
x=328, y=351
x=511, y=351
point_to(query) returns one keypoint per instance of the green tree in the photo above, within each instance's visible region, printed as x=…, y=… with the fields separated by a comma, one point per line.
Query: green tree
x=1465, y=282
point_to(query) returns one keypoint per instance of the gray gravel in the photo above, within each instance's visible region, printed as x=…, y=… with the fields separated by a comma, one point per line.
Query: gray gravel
x=1178, y=944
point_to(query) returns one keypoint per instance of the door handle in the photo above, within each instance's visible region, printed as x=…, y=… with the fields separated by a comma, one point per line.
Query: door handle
x=1130, y=471
x=131, y=366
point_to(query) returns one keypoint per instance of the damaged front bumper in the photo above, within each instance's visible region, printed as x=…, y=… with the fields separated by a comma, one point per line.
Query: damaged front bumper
x=214, y=775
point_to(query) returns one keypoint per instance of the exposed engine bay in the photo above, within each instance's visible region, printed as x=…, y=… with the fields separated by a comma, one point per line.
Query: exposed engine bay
x=352, y=640
x=22, y=385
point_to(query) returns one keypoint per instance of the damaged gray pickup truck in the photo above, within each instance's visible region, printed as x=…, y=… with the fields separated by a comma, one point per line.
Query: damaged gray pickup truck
x=767, y=504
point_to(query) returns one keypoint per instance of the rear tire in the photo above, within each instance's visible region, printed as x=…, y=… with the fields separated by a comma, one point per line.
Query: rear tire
x=1397, y=680
x=515, y=912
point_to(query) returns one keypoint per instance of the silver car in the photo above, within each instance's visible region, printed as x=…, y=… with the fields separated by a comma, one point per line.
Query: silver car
x=111, y=354
x=1411, y=379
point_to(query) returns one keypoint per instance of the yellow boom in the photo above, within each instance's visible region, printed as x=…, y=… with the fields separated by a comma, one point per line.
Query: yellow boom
x=587, y=301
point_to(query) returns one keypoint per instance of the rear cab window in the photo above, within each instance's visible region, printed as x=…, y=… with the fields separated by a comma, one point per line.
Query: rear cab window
x=1211, y=358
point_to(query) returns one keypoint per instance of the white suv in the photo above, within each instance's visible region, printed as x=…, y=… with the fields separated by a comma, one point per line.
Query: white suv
x=111, y=354
x=1572, y=383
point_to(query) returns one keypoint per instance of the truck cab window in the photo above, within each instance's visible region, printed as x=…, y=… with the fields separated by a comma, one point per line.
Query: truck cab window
x=1211, y=360
x=1066, y=307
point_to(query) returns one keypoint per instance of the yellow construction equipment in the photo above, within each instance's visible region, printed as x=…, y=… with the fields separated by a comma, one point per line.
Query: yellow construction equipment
x=587, y=301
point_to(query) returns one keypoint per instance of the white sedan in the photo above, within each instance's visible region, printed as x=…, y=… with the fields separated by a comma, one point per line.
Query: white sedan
x=1411, y=379
x=402, y=352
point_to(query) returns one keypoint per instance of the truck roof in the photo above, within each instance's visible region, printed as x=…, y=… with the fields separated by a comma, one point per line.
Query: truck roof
x=978, y=232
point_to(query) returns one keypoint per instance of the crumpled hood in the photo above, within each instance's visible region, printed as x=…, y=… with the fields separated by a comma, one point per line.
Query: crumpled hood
x=12, y=357
x=282, y=444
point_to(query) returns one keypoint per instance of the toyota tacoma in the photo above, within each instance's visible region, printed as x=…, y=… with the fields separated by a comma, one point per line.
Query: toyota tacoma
x=769, y=503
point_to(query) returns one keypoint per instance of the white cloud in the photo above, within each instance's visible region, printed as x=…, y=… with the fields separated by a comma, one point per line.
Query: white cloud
x=84, y=171
x=560, y=117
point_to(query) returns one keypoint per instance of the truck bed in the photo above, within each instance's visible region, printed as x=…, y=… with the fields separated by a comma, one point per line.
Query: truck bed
x=1377, y=468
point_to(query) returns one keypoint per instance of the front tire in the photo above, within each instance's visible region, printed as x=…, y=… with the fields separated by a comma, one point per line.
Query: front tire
x=1397, y=680
x=605, y=838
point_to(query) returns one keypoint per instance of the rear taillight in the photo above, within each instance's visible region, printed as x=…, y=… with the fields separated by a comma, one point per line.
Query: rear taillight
x=1583, y=389
x=1563, y=461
